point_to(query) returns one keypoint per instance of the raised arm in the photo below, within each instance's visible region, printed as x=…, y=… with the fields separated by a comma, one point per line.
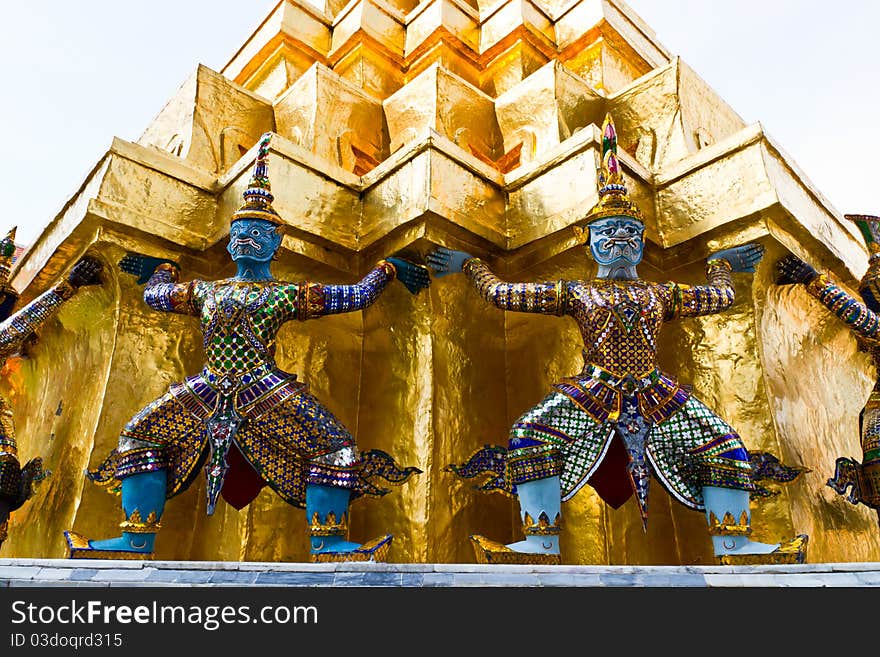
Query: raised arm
x=335, y=299
x=17, y=328
x=853, y=312
x=718, y=295
x=546, y=298
x=695, y=300
x=316, y=299
x=163, y=291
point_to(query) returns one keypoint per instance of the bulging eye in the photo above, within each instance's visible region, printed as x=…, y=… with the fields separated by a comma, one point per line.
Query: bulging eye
x=255, y=232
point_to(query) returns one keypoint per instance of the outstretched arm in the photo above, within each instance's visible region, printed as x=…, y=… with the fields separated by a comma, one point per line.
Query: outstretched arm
x=547, y=298
x=17, y=328
x=347, y=298
x=163, y=291
x=335, y=299
x=307, y=300
x=316, y=300
x=853, y=312
x=697, y=300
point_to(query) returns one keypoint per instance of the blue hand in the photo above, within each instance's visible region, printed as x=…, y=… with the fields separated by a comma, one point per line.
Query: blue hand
x=446, y=261
x=791, y=269
x=742, y=259
x=142, y=266
x=415, y=277
x=87, y=271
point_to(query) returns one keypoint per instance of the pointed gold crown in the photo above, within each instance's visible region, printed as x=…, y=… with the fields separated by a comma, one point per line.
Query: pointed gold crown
x=258, y=195
x=330, y=527
x=728, y=525
x=614, y=200
x=7, y=251
x=869, y=225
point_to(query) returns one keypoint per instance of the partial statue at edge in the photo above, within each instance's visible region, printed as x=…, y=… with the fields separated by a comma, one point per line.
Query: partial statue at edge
x=16, y=482
x=859, y=482
x=247, y=421
x=621, y=420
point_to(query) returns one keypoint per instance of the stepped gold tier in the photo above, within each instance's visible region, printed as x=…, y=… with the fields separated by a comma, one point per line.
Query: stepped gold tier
x=404, y=125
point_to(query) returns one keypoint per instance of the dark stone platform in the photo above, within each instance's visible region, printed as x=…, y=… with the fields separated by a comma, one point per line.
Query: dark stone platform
x=82, y=572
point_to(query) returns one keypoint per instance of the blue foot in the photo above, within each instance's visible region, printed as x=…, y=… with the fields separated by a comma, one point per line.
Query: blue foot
x=127, y=546
x=537, y=545
x=322, y=544
x=489, y=551
x=375, y=550
x=793, y=551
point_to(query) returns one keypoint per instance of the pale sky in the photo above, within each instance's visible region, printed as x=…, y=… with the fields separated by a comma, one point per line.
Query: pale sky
x=75, y=74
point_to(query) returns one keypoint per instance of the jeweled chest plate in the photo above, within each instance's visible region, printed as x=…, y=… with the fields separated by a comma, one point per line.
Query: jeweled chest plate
x=619, y=322
x=239, y=322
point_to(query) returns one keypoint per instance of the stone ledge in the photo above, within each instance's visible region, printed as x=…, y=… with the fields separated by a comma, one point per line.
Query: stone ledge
x=91, y=573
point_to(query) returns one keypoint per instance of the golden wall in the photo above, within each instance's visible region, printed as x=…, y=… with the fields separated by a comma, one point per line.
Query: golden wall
x=399, y=127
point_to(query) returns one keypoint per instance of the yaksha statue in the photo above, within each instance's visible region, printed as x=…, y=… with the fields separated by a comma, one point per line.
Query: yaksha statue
x=621, y=420
x=16, y=482
x=247, y=421
x=860, y=482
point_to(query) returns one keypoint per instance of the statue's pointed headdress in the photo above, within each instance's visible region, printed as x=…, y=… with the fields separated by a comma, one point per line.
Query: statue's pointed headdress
x=869, y=286
x=258, y=195
x=869, y=225
x=614, y=200
x=7, y=251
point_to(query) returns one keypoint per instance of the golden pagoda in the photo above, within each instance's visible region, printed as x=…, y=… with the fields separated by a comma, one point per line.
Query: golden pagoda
x=402, y=125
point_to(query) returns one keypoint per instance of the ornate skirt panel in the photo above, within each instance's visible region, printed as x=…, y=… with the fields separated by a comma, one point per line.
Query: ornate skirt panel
x=692, y=448
x=287, y=435
x=870, y=425
x=163, y=435
x=557, y=437
x=257, y=392
x=696, y=448
x=600, y=396
x=869, y=479
x=10, y=478
x=281, y=442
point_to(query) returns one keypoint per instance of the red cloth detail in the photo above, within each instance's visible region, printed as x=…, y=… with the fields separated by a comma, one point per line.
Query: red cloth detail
x=242, y=483
x=611, y=480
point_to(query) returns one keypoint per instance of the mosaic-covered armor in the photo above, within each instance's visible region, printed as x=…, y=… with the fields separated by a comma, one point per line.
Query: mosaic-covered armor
x=249, y=423
x=16, y=482
x=859, y=482
x=620, y=382
x=621, y=419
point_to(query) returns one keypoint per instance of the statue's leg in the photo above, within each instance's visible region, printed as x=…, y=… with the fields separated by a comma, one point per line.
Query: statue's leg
x=869, y=471
x=333, y=467
x=327, y=514
x=534, y=464
x=139, y=467
x=540, y=508
x=729, y=518
x=703, y=463
x=723, y=464
x=328, y=494
x=143, y=481
x=143, y=501
x=727, y=511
